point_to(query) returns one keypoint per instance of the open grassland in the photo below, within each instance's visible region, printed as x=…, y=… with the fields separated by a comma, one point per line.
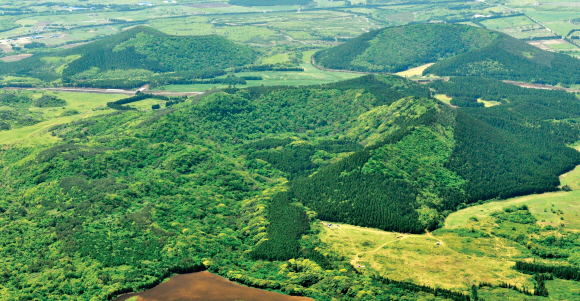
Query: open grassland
x=541, y=206
x=417, y=71
x=85, y=104
x=146, y=104
x=310, y=76
x=489, y=103
x=443, y=98
x=456, y=263
x=275, y=59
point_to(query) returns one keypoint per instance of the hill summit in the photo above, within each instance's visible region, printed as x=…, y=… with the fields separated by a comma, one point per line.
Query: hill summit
x=133, y=53
x=457, y=50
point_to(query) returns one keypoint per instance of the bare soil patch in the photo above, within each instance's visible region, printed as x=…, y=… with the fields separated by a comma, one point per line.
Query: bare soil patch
x=205, y=286
x=14, y=58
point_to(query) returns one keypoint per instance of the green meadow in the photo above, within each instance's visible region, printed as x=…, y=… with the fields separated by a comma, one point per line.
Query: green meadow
x=85, y=104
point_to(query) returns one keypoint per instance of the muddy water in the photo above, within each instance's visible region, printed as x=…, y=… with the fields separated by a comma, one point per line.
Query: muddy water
x=205, y=286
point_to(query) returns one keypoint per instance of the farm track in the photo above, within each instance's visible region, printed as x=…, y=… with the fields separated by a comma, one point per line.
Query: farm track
x=539, y=86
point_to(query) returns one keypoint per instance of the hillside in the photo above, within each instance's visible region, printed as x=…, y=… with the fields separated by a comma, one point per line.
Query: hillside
x=133, y=55
x=221, y=180
x=395, y=49
x=511, y=59
x=457, y=50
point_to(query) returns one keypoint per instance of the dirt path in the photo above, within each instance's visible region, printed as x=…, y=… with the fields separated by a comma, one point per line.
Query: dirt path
x=539, y=86
x=435, y=238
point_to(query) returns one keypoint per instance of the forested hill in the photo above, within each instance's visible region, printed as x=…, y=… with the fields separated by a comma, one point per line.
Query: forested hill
x=457, y=50
x=231, y=181
x=395, y=49
x=137, y=50
x=508, y=58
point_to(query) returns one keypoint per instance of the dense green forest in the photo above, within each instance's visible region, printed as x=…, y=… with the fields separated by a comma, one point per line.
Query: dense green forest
x=395, y=49
x=456, y=50
x=231, y=181
x=134, y=57
x=507, y=58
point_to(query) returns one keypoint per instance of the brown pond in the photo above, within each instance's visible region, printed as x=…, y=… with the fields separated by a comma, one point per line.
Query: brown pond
x=205, y=286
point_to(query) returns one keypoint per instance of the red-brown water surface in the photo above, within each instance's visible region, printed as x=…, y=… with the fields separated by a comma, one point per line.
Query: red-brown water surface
x=205, y=286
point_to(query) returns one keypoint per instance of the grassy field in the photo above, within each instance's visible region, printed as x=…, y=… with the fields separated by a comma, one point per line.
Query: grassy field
x=444, y=98
x=456, y=263
x=310, y=76
x=417, y=71
x=86, y=104
x=146, y=104
x=540, y=205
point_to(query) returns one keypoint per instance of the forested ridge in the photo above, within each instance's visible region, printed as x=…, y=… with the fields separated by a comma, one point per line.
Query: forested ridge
x=231, y=181
x=508, y=58
x=456, y=50
x=135, y=57
x=395, y=49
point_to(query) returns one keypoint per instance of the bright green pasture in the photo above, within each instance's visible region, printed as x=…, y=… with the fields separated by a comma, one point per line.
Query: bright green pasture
x=275, y=59
x=444, y=98
x=146, y=104
x=311, y=76
x=562, y=46
x=562, y=27
x=86, y=104
x=540, y=205
x=510, y=22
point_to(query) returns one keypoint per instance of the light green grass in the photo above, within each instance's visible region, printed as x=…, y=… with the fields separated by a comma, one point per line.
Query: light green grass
x=86, y=104
x=562, y=27
x=275, y=59
x=509, y=22
x=311, y=76
x=455, y=264
x=562, y=46
x=539, y=204
x=489, y=103
x=444, y=98
x=146, y=104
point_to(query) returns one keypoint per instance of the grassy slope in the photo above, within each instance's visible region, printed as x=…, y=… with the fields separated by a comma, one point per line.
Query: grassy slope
x=310, y=76
x=37, y=134
x=457, y=263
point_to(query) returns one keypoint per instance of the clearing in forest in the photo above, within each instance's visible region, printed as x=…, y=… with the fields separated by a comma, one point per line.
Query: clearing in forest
x=442, y=258
x=417, y=71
